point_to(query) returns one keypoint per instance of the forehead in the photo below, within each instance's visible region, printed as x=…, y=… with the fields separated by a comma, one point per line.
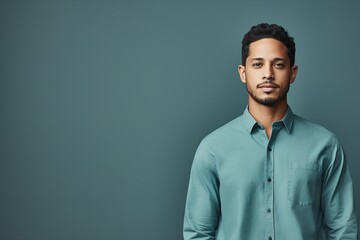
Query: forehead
x=267, y=48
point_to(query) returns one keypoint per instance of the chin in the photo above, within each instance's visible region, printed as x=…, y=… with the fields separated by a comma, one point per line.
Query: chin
x=269, y=101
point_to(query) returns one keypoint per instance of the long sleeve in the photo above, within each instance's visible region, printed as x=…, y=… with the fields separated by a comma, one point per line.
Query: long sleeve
x=202, y=209
x=337, y=197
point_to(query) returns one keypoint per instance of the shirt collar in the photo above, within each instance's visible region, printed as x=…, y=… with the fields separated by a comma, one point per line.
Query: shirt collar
x=288, y=120
x=250, y=122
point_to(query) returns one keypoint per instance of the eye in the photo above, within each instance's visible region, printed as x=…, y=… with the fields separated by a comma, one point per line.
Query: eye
x=257, y=65
x=279, y=65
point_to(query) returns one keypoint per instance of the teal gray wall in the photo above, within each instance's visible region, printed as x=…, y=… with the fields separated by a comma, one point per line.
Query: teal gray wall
x=103, y=104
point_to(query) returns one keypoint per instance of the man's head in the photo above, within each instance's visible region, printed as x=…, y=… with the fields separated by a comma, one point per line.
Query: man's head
x=265, y=30
x=268, y=55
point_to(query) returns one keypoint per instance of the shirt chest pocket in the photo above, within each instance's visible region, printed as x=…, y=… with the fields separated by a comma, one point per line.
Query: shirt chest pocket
x=304, y=183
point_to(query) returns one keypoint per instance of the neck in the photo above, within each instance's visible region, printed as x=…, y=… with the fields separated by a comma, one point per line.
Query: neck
x=266, y=115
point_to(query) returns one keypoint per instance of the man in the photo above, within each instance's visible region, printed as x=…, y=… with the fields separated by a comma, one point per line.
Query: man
x=269, y=174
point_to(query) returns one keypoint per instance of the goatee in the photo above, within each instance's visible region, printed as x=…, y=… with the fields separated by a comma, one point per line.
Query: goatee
x=269, y=101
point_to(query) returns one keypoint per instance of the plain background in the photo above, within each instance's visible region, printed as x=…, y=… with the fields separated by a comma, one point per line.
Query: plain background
x=103, y=104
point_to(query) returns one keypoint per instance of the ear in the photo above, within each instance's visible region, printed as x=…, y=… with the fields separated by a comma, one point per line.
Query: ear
x=294, y=71
x=241, y=70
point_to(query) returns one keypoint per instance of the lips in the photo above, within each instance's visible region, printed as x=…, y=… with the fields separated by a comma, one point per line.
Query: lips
x=268, y=85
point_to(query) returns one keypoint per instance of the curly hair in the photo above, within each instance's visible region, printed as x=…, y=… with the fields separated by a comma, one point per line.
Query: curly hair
x=265, y=30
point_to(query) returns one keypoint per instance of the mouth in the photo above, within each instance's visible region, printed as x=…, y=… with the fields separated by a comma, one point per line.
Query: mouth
x=268, y=87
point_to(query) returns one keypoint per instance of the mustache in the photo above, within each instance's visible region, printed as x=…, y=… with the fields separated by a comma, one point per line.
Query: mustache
x=267, y=82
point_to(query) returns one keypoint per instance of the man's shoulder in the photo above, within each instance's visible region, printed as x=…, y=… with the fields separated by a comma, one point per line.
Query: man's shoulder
x=308, y=126
x=226, y=131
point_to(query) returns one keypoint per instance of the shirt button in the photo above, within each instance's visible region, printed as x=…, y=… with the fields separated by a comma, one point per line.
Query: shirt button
x=269, y=149
x=269, y=179
x=268, y=210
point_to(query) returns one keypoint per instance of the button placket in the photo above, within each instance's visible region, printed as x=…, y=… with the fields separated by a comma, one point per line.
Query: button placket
x=269, y=189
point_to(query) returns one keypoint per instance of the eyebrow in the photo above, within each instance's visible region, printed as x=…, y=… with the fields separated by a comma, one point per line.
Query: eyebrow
x=274, y=60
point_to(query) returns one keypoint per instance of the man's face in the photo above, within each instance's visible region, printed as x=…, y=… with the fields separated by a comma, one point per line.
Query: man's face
x=267, y=74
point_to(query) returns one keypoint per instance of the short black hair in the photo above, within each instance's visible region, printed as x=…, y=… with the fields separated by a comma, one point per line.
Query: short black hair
x=265, y=30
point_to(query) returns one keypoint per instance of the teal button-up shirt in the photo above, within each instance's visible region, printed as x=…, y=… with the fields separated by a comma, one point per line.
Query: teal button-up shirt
x=294, y=186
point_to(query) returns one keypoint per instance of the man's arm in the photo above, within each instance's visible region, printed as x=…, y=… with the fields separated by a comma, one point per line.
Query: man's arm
x=202, y=209
x=337, y=198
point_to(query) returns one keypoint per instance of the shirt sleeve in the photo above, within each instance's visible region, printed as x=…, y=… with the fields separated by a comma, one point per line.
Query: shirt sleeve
x=338, y=202
x=202, y=209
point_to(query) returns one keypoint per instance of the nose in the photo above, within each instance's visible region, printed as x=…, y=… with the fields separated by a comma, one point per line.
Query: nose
x=268, y=73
